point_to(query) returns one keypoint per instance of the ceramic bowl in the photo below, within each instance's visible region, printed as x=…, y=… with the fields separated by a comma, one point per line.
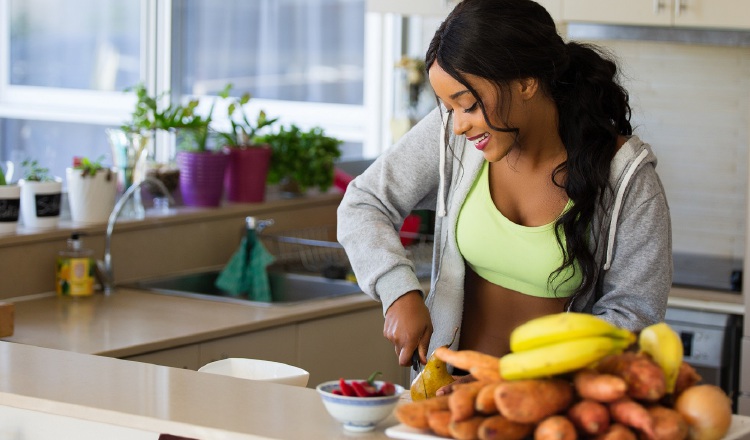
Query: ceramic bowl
x=358, y=414
x=255, y=369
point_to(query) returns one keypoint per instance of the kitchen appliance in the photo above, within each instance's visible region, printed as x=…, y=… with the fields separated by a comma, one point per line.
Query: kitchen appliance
x=711, y=343
x=707, y=271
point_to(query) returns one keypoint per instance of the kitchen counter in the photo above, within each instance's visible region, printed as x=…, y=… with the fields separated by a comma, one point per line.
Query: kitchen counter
x=161, y=399
x=130, y=321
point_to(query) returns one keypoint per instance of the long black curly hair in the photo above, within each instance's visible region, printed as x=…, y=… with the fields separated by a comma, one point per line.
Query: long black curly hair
x=507, y=40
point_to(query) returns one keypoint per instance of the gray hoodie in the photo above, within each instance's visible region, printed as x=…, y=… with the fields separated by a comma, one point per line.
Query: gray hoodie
x=631, y=239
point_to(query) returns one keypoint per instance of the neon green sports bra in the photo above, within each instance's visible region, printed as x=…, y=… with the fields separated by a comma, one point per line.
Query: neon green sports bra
x=516, y=257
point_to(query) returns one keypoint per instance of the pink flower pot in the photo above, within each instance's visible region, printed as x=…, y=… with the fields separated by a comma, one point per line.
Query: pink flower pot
x=245, y=180
x=202, y=177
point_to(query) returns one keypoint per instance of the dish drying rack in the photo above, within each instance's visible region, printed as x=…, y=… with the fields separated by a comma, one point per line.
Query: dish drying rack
x=315, y=250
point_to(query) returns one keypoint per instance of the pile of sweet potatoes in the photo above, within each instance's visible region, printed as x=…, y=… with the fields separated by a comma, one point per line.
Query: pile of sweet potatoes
x=622, y=397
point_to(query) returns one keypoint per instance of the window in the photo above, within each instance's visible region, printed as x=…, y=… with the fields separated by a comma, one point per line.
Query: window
x=64, y=65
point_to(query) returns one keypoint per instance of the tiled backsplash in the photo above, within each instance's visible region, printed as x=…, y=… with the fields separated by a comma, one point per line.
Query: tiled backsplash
x=692, y=104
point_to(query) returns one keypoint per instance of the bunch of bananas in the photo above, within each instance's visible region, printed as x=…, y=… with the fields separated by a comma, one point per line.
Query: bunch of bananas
x=561, y=343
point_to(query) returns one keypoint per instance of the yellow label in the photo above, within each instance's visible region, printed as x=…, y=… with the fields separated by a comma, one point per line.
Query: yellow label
x=75, y=276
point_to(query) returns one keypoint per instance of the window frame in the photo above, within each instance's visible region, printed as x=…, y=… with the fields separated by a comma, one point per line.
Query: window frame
x=363, y=124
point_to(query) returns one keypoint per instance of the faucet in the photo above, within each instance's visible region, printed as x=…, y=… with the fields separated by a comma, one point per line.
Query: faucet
x=105, y=268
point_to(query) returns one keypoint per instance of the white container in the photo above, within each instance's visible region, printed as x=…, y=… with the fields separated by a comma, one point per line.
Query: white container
x=10, y=200
x=255, y=369
x=358, y=414
x=91, y=198
x=40, y=203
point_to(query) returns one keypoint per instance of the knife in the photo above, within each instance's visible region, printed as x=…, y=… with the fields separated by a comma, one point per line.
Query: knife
x=416, y=365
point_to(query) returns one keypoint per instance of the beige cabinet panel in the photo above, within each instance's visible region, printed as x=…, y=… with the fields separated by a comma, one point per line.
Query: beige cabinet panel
x=712, y=13
x=275, y=344
x=440, y=8
x=186, y=357
x=349, y=345
x=688, y=13
x=644, y=12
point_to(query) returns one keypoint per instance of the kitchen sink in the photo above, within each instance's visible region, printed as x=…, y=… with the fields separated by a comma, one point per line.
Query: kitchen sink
x=286, y=288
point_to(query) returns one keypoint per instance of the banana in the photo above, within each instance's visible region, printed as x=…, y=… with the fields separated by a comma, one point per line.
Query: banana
x=560, y=357
x=558, y=327
x=665, y=347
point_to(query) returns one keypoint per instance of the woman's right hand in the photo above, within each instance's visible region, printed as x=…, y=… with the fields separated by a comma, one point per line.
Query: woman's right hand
x=409, y=327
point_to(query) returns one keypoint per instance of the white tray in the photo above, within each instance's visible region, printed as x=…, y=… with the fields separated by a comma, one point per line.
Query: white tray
x=739, y=430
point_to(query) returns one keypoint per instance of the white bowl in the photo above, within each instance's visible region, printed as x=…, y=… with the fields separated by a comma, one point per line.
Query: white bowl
x=255, y=369
x=357, y=413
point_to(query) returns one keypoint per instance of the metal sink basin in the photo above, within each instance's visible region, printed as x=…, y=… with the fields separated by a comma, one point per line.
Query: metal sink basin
x=286, y=288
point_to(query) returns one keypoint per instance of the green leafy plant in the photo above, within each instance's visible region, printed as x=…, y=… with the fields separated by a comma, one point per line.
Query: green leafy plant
x=2, y=178
x=33, y=172
x=244, y=131
x=89, y=167
x=151, y=114
x=306, y=157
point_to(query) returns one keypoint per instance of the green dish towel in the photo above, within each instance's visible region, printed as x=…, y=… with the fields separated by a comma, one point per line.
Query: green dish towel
x=246, y=274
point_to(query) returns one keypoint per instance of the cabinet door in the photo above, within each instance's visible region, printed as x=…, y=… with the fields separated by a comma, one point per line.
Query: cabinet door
x=731, y=14
x=180, y=357
x=349, y=345
x=439, y=8
x=642, y=12
x=275, y=344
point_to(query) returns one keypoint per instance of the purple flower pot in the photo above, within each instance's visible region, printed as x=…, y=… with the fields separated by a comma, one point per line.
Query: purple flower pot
x=202, y=177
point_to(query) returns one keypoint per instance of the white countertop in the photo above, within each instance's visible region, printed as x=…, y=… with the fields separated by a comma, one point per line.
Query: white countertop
x=161, y=399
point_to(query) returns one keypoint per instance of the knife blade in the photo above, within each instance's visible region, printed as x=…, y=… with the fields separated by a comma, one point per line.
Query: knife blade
x=416, y=365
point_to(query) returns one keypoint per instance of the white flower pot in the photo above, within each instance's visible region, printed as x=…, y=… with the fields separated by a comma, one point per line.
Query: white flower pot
x=40, y=203
x=91, y=198
x=10, y=201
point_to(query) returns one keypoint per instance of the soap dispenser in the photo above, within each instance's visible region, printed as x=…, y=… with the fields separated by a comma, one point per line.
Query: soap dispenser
x=75, y=269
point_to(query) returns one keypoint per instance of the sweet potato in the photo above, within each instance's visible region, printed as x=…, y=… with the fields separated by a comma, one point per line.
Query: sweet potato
x=485, y=401
x=590, y=384
x=668, y=424
x=686, y=378
x=530, y=401
x=484, y=373
x=589, y=417
x=438, y=422
x=644, y=377
x=466, y=429
x=499, y=428
x=461, y=400
x=466, y=359
x=632, y=414
x=617, y=431
x=555, y=428
x=414, y=414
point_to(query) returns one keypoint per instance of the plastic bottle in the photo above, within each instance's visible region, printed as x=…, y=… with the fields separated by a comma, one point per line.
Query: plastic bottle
x=75, y=269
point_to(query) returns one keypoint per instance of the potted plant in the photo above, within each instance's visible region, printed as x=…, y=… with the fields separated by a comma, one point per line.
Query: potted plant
x=92, y=189
x=247, y=169
x=10, y=203
x=40, y=196
x=302, y=159
x=202, y=169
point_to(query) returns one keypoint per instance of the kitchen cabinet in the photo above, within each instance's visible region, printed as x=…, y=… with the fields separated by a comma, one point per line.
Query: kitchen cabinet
x=348, y=344
x=440, y=8
x=730, y=14
x=275, y=344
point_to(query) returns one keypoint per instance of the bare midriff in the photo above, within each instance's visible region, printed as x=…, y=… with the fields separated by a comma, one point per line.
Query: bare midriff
x=491, y=312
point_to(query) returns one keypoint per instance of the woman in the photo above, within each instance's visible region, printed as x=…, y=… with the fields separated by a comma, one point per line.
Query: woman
x=546, y=202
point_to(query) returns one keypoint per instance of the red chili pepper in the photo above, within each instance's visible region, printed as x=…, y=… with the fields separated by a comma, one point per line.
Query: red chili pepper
x=387, y=389
x=346, y=389
x=362, y=389
x=337, y=392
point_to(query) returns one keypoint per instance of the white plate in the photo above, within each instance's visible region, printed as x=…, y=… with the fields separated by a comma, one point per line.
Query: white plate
x=739, y=430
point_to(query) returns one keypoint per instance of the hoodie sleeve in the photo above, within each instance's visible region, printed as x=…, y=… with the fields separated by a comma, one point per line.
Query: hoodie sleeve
x=402, y=179
x=636, y=285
